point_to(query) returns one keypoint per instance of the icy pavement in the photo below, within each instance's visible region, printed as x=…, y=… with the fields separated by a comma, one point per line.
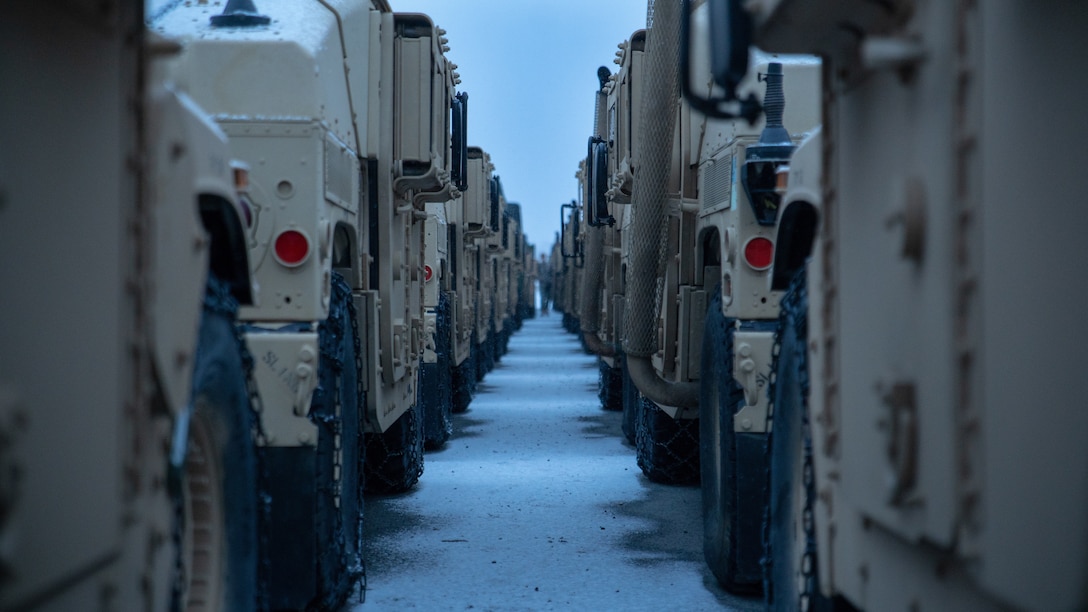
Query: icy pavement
x=536, y=503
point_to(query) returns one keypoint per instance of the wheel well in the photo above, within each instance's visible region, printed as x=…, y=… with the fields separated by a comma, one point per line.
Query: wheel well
x=229, y=257
x=344, y=253
x=796, y=234
x=709, y=254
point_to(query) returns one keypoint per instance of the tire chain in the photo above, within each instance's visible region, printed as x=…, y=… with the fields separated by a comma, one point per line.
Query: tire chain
x=610, y=384
x=679, y=469
x=412, y=452
x=218, y=299
x=794, y=309
x=358, y=572
x=444, y=350
x=329, y=348
x=264, y=499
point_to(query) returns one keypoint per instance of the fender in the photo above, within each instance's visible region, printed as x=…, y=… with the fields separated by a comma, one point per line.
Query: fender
x=800, y=212
x=229, y=256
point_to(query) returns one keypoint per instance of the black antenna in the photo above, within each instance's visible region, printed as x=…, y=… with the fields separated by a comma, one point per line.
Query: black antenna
x=763, y=159
x=774, y=104
x=240, y=14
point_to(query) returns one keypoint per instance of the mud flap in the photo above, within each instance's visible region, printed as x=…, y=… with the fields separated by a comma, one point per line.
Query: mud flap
x=610, y=384
x=435, y=389
x=751, y=493
x=316, y=500
x=292, y=579
x=464, y=383
x=435, y=398
x=666, y=449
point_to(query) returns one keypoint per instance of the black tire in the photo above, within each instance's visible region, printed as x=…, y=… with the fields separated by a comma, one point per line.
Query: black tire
x=436, y=384
x=464, y=383
x=503, y=341
x=491, y=347
x=573, y=325
x=509, y=328
x=464, y=379
x=479, y=356
x=219, y=483
x=787, y=542
x=667, y=449
x=336, y=409
x=725, y=529
x=435, y=399
x=610, y=384
x=315, y=518
x=394, y=459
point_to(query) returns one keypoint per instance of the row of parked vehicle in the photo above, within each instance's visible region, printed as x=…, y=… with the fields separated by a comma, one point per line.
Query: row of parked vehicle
x=802, y=251
x=265, y=267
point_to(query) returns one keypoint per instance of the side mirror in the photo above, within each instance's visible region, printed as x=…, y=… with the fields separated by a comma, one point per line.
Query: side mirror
x=730, y=31
x=597, y=179
x=459, y=142
x=496, y=191
x=570, y=224
x=513, y=213
x=506, y=228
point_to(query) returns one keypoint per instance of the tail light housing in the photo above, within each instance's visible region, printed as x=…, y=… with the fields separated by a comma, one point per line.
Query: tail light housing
x=291, y=248
x=759, y=253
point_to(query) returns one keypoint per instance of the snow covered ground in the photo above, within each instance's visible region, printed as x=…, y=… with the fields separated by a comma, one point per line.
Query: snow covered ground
x=536, y=503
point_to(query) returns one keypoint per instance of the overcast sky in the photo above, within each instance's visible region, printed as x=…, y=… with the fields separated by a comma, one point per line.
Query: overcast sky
x=530, y=70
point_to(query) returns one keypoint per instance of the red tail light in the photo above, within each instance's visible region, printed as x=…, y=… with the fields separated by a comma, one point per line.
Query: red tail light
x=759, y=253
x=428, y=273
x=292, y=248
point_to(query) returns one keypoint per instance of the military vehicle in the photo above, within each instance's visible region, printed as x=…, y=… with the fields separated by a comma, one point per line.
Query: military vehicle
x=128, y=472
x=435, y=390
x=605, y=187
x=498, y=253
x=511, y=268
x=606, y=190
x=443, y=275
x=343, y=112
x=472, y=226
x=569, y=257
x=514, y=263
x=930, y=240
x=530, y=281
x=525, y=273
x=681, y=211
x=481, y=252
x=498, y=256
x=484, y=195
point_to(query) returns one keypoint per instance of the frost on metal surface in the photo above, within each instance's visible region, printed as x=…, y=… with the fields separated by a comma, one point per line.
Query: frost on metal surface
x=275, y=71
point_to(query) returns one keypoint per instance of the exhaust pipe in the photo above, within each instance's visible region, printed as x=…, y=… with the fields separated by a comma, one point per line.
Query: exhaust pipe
x=649, y=223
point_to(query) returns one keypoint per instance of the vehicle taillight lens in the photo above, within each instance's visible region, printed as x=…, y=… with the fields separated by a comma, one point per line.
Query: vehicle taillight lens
x=292, y=248
x=759, y=253
x=428, y=273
